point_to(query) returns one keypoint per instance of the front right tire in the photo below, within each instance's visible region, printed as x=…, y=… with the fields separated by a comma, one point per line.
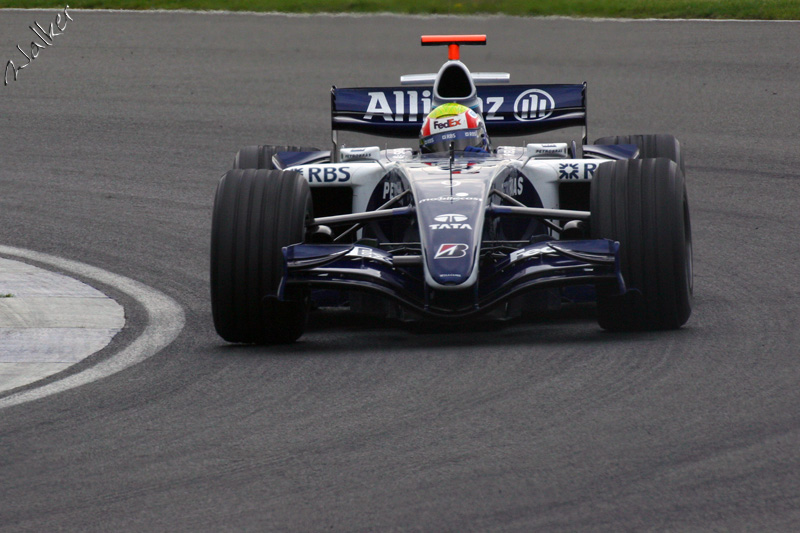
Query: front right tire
x=642, y=204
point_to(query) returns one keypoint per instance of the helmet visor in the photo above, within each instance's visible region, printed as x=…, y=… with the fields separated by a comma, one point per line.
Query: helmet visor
x=460, y=139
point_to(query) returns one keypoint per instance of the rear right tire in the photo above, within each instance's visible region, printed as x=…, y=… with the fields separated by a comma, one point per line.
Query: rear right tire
x=650, y=146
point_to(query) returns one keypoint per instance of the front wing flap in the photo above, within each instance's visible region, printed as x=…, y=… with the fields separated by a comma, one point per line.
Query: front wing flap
x=401, y=277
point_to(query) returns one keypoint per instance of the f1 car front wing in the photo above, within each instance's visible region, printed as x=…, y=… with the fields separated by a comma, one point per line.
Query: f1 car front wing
x=401, y=278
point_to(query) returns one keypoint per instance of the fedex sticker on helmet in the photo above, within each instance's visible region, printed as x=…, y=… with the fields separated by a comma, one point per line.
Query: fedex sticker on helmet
x=451, y=251
x=450, y=123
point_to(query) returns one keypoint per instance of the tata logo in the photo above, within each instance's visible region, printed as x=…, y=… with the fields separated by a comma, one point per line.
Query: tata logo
x=451, y=251
x=450, y=221
x=533, y=104
x=450, y=218
x=446, y=124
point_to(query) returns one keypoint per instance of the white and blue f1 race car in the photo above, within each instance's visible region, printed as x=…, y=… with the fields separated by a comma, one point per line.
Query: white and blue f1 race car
x=458, y=228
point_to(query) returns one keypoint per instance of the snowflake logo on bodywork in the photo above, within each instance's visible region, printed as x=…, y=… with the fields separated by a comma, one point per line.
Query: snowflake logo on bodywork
x=568, y=171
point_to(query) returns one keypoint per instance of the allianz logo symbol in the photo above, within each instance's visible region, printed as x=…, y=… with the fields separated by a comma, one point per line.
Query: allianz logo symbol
x=534, y=104
x=450, y=221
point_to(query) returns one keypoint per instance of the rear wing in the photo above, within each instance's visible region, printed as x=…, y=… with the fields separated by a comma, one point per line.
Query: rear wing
x=508, y=110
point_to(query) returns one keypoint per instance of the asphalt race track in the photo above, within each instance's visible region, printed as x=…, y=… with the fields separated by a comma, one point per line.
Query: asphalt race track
x=111, y=144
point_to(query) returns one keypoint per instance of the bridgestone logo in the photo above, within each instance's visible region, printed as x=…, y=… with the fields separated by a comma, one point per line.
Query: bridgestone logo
x=451, y=251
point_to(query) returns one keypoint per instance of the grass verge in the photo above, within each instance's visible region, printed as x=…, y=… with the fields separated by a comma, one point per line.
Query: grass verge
x=702, y=9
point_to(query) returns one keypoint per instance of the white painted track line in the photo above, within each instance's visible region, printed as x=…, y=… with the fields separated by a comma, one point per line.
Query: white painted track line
x=165, y=320
x=49, y=322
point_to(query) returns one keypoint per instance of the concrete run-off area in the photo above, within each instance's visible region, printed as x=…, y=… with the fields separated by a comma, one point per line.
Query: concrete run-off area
x=49, y=322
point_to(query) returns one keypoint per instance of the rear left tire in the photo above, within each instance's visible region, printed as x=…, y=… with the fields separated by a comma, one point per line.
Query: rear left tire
x=260, y=157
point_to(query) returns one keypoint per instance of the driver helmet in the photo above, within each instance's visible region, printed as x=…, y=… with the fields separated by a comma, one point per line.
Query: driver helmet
x=453, y=123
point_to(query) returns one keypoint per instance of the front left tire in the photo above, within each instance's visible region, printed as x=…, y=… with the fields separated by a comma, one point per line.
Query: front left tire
x=257, y=213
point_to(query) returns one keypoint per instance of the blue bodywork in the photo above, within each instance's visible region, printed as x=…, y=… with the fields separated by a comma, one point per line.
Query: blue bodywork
x=461, y=249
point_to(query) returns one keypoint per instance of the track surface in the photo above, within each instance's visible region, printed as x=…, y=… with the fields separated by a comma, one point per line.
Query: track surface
x=112, y=143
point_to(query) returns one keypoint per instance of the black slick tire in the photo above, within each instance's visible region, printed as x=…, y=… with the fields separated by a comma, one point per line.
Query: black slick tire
x=260, y=157
x=650, y=146
x=257, y=213
x=642, y=203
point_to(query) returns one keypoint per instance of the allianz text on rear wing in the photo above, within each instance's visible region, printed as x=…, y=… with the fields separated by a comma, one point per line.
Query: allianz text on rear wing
x=508, y=110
